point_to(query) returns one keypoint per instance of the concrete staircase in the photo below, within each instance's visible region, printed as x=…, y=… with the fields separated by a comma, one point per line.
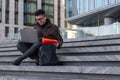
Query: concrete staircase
x=96, y=58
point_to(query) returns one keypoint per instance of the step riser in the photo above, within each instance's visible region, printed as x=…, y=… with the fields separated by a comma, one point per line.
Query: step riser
x=93, y=59
x=64, y=75
x=17, y=53
x=110, y=64
x=36, y=78
x=92, y=43
x=78, y=50
x=74, y=58
x=22, y=64
x=101, y=40
x=90, y=49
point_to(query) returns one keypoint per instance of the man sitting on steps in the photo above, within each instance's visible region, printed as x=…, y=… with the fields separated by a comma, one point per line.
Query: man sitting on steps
x=44, y=50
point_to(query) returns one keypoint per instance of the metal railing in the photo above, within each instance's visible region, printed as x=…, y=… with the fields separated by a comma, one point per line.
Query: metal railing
x=86, y=32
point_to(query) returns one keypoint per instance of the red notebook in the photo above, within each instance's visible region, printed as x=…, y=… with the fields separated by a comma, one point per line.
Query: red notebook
x=49, y=41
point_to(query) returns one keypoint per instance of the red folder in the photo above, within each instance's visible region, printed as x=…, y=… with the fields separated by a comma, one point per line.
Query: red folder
x=49, y=41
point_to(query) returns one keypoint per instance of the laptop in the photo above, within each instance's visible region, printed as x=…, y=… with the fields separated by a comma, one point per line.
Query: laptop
x=29, y=35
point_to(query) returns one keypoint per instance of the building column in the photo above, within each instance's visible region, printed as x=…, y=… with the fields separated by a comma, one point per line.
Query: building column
x=12, y=12
x=2, y=29
x=20, y=12
x=39, y=4
x=12, y=17
x=108, y=20
x=3, y=11
x=56, y=12
x=62, y=13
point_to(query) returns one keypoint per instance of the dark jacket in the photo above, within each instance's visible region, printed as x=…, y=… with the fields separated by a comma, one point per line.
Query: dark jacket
x=49, y=30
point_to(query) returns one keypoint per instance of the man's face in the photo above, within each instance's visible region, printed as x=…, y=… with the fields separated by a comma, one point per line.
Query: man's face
x=41, y=19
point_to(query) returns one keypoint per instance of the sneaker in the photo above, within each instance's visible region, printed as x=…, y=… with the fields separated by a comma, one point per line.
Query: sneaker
x=17, y=61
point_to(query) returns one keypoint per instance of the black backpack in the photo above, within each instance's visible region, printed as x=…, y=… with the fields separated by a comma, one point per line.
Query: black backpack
x=47, y=55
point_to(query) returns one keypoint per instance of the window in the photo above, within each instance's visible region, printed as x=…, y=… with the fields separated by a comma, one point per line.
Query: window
x=49, y=10
x=7, y=12
x=117, y=1
x=15, y=30
x=99, y=3
x=0, y=16
x=16, y=12
x=81, y=6
x=6, y=31
x=29, y=9
x=7, y=5
x=0, y=10
x=16, y=18
x=7, y=17
x=48, y=6
x=16, y=5
x=86, y=5
x=112, y=1
x=49, y=1
x=29, y=19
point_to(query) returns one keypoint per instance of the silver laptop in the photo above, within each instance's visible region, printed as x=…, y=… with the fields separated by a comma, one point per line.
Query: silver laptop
x=29, y=35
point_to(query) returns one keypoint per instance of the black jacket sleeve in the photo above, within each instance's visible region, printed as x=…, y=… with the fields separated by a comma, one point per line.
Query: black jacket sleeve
x=58, y=36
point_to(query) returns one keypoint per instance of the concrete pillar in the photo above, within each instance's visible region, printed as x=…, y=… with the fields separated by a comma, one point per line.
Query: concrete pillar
x=3, y=11
x=20, y=12
x=56, y=12
x=12, y=12
x=62, y=14
x=39, y=4
x=2, y=29
x=11, y=17
x=108, y=20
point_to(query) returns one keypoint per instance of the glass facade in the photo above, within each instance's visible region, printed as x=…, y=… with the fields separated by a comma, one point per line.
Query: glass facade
x=48, y=6
x=94, y=21
x=0, y=10
x=49, y=1
x=76, y=7
x=30, y=6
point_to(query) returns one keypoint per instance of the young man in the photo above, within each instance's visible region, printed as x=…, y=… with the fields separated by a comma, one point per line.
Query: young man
x=36, y=51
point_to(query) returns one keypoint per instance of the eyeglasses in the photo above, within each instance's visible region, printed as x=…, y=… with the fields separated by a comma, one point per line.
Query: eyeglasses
x=40, y=19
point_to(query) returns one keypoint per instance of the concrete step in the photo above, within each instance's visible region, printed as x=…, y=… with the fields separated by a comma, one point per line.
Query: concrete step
x=18, y=53
x=7, y=42
x=7, y=45
x=11, y=53
x=90, y=49
x=8, y=49
x=92, y=43
x=100, y=49
x=110, y=60
x=76, y=72
x=74, y=58
x=80, y=44
x=36, y=78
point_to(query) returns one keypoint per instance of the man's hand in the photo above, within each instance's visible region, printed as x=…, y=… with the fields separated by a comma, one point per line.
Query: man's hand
x=57, y=44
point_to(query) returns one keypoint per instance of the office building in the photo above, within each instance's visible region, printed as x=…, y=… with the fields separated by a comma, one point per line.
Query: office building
x=94, y=17
x=17, y=14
